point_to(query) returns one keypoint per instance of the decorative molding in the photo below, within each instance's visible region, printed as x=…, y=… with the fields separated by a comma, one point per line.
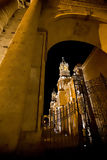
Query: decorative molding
x=44, y=33
x=81, y=3
x=92, y=11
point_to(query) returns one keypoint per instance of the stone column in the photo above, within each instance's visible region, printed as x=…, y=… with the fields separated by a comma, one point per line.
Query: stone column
x=14, y=77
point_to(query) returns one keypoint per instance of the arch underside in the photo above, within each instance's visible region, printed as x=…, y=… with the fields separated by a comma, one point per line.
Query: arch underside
x=73, y=20
x=67, y=28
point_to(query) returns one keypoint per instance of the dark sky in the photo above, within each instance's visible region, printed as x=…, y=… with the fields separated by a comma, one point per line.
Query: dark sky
x=73, y=52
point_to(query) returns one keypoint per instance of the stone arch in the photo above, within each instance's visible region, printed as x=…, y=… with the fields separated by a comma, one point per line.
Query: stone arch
x=73, y=30
x=92, y=32
x=102, y=26
x=90, y=19
x=76, y=28
x=51, y=30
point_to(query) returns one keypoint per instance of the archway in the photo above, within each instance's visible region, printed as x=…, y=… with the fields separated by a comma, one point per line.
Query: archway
x=80, y=53
x=63, y=24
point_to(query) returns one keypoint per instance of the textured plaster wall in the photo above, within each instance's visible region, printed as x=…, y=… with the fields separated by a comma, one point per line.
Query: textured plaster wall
x=73, y=29
x=62, y=24
x=76, y=21
x=7, y=9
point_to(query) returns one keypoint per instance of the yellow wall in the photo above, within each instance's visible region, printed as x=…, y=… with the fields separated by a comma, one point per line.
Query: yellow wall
x=95, y=64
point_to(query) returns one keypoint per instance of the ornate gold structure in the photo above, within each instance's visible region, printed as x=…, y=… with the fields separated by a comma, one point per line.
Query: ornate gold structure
x=68, y=111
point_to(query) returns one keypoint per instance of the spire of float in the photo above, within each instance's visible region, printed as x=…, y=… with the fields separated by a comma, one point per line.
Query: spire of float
x=64, y=69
